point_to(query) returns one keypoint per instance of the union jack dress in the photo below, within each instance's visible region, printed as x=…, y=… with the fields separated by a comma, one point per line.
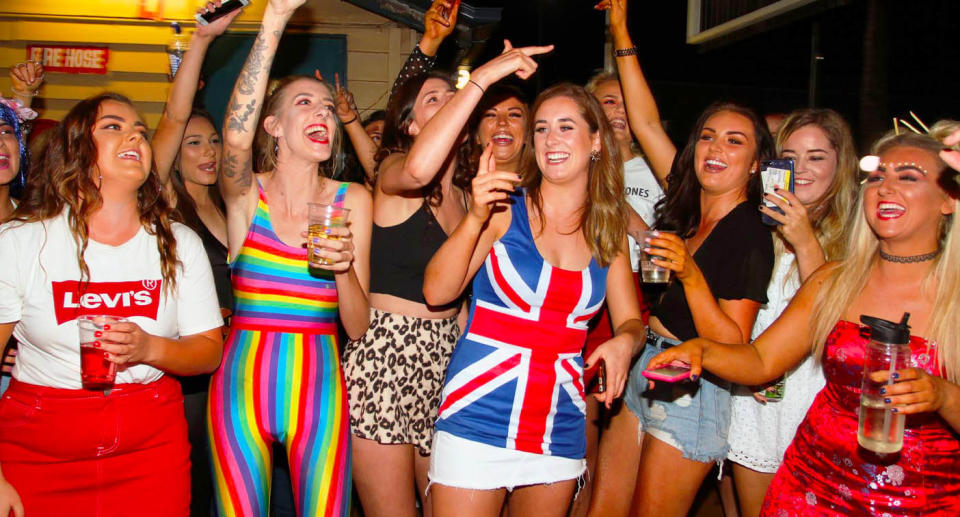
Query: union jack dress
x=515, y=379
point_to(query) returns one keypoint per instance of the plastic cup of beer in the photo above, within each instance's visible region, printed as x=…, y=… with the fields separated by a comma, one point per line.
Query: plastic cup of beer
x=322, y=218
x=650, y=272
x=96, y=371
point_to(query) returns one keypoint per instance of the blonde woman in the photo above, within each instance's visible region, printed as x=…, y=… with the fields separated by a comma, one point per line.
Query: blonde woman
x=812, y=229
x=902, y=257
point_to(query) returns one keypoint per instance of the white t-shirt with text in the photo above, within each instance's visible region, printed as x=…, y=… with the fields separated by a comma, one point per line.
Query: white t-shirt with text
x=642, y=191
x=40, y=290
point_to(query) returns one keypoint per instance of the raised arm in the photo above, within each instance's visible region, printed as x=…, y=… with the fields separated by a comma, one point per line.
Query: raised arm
x=438, y=136
x=641, y=106
x=176, y=112
x=364, y=146
x=457, y=261
x=25, y=81
x=438, y=22
x=246, y=101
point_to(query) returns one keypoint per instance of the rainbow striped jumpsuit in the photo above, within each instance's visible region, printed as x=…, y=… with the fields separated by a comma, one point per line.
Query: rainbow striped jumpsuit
x=280, y=381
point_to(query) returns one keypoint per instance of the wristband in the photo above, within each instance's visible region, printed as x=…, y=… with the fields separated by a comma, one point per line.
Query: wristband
x=624, y=52
x=25, y=94
x=482, y=91
x=351, y=121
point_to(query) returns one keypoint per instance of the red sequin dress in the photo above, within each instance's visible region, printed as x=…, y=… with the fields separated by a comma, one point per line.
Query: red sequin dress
x=824, y=473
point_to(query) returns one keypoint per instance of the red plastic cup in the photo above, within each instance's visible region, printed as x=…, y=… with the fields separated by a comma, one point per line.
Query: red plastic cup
x=96, y=371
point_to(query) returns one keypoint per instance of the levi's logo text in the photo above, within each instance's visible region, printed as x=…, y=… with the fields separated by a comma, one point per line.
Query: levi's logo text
x=123, y=299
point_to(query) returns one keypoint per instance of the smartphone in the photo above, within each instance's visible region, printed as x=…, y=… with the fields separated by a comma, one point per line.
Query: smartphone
x=775, y=173
x=673, y=372
x=445, y=13
x=226, y=7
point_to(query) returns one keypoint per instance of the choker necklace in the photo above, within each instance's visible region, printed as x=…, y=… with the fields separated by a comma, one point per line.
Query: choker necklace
x=911, y=259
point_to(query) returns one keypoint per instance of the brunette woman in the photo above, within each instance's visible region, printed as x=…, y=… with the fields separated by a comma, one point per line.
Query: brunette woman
x=812, y=228
x=91, y=229
x=545, y=258
x=900, y=258
x=394, y=373
x=721, y=256
x=281, y=371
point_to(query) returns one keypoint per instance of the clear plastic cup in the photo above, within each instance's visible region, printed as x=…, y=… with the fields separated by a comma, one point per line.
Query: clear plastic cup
x=320, y=218
x=650, y=272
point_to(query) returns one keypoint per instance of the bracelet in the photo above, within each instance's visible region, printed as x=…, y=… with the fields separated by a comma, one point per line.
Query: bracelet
x=482, y=91
x=25, y=94
x=351, y=121
x=624, y=52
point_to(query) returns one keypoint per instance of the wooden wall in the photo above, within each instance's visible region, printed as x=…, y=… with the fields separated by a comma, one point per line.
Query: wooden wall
x=376, y=47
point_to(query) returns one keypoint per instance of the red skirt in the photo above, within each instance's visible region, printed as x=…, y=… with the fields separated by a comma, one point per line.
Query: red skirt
x=83, y=453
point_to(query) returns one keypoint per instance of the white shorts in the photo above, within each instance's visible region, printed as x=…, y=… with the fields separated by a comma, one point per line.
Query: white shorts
x=462, y=463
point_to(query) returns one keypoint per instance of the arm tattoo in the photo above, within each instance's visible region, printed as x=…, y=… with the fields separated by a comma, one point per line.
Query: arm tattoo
x=256, y=62
x=242, y=175
x=237, y=121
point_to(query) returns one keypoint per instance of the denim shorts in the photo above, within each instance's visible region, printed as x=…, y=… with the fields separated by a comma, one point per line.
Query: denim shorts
x=693, y=417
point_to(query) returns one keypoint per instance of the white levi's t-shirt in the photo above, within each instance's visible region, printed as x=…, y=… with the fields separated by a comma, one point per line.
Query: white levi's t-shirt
x=642, y=191
x=40, y=290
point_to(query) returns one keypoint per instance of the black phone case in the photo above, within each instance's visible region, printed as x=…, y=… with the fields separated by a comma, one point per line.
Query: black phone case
x=777, y=164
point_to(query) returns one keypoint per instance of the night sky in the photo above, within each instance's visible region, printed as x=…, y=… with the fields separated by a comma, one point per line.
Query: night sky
x=918, y=65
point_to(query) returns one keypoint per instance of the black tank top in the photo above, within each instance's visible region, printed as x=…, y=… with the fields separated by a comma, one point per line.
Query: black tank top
x=399, y=255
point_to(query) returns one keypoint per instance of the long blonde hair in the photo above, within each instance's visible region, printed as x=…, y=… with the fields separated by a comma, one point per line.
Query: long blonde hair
x=846, y=281
x=830, y=217
x=603, y=220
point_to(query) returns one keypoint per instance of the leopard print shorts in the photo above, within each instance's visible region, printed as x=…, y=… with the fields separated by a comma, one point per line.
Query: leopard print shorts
x=395, y=375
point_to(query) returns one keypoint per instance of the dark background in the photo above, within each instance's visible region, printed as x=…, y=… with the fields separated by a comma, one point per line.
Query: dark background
x=908, y=60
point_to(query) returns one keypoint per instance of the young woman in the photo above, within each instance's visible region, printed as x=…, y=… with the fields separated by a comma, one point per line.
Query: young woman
x=186, y=151
x=93, y=235
x=813, y=228
x=545, y=258
x=394, y=373
x=901, y=258
x=500, y=121
x=721, y=257
x=281, y=380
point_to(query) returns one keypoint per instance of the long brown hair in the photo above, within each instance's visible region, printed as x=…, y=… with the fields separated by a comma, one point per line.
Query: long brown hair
x=186, y=208
x=64, y=180
x=603, y=219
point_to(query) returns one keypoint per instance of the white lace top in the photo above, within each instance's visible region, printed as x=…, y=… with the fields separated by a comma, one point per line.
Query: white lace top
x=760, y=433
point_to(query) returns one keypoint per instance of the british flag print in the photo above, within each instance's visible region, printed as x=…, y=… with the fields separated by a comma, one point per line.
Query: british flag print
x=515, y=378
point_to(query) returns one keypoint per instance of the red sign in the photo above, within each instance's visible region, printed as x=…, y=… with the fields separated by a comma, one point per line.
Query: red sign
x=71, y=60
x=123, y=299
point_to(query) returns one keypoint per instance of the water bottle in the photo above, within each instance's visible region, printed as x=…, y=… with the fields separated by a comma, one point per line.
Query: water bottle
x=176, y=48
x=881, y=430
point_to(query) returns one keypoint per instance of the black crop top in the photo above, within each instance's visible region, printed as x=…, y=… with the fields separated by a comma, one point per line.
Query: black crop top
x=399, y=255
x=736, y=259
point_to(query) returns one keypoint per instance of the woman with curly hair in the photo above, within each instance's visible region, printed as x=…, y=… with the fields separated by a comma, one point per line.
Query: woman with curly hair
x=93, y=235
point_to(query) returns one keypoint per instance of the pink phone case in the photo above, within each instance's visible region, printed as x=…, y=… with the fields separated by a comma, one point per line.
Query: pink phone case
x=669, y=373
